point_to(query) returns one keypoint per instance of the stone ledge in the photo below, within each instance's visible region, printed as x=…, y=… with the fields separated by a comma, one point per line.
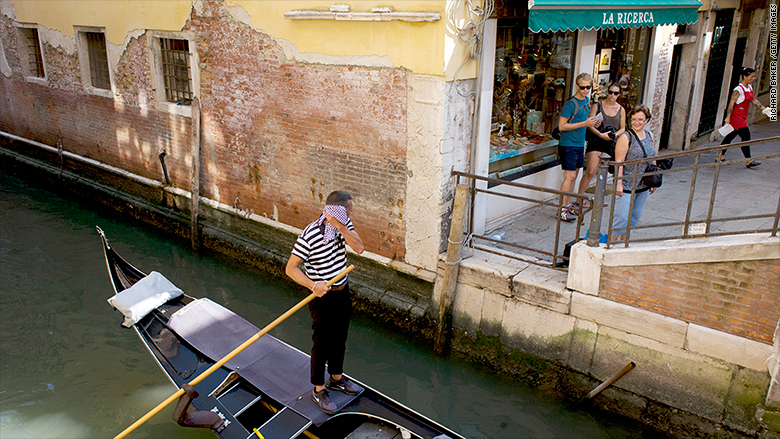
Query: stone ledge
x=745, y=247
x=363, y=16
x=727, y=347
x=542, y=287
x=629, y=319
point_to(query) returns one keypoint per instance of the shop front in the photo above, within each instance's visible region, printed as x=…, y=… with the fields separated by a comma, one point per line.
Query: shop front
x=537, y=57
x=540, y=49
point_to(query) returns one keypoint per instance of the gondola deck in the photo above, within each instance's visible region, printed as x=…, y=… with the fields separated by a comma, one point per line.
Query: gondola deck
x=265, y=388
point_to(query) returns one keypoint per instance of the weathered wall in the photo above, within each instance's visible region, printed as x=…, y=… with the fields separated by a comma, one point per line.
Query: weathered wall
x=278, y=134
x=604, y=316
x=738, y=297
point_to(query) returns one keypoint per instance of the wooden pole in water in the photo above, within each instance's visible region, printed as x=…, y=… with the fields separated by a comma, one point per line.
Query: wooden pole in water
x=450, y=280
x=229, y=356
x=609, y=381
x=195, y=178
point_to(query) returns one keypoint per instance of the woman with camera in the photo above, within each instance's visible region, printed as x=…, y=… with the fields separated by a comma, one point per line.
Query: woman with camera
x=635, y=144
x=600, y=140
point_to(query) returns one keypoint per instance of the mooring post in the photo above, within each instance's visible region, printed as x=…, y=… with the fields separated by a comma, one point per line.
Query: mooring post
x=450, y=280
x=195, y=180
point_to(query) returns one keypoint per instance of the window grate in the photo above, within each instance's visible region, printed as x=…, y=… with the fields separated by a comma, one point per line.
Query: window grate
x=176, y=70
x=98, y=59
x=34, y=56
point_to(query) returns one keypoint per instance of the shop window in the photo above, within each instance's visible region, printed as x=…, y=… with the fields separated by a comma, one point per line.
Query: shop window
x=93, y=57
x=30, y=52
x=532, y=81
x=176, y=74
x=622, y=56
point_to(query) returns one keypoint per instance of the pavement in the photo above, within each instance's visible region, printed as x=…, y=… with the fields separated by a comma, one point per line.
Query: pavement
x=740, y=192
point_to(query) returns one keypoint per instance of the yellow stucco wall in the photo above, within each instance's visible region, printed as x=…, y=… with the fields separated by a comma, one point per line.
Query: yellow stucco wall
x=425, y=48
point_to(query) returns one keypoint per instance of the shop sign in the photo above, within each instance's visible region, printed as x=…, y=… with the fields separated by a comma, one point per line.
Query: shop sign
x=628, y=18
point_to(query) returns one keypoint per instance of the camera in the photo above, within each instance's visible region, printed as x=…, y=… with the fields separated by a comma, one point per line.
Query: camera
x=610, y=132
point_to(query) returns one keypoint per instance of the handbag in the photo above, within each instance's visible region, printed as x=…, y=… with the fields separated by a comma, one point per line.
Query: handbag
x=665, y=164
x=650, y=181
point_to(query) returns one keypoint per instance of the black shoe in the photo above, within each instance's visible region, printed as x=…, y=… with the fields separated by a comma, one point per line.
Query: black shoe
x=753, y=164
x=343, y=385
x=323, y=401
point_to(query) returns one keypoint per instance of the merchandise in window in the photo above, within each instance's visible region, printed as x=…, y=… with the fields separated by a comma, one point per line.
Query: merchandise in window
x=532, y=74
x=622, y=57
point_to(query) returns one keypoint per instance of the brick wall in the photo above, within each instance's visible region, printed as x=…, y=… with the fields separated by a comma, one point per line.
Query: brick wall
x=277, y=136
x=742, y=298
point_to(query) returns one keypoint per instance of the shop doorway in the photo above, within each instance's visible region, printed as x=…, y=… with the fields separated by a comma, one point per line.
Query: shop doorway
x=736, y=66
x=671, y=92
x=715, y=71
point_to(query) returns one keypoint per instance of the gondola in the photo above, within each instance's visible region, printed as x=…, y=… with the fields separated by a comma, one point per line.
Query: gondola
x=264, y=391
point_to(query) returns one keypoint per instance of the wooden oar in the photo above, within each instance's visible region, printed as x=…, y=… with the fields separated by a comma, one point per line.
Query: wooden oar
x=229, y=356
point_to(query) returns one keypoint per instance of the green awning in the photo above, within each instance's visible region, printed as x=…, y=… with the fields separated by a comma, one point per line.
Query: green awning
x=562, y=15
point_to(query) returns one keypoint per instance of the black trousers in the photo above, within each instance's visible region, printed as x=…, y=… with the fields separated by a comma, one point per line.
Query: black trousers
x=330, y=315
x=744, y=135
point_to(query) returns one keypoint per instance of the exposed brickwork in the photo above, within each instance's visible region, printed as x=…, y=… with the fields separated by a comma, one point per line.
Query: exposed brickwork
x=742, y=298
x=278, y=136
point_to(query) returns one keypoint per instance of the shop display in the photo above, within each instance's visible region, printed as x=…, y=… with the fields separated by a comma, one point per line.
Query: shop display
x=532, y=74
x=628, y=58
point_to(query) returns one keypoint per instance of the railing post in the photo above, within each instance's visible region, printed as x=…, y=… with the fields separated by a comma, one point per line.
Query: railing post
x=598, y=202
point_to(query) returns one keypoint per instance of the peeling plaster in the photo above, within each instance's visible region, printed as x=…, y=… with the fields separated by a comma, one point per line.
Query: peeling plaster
x=7, y=9
x=5, y=69
x=239, y=14
x=56, y=38
x=291, y=52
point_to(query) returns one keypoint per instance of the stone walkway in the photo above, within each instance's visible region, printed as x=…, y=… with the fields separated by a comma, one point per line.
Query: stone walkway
x=740, y=192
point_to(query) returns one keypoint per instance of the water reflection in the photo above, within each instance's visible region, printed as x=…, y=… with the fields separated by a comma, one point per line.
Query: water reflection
x=68, y=369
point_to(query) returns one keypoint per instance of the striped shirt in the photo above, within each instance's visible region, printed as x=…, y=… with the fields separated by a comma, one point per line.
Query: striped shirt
x=322, y=262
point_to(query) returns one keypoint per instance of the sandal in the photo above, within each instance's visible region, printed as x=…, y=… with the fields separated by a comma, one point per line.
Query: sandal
x=576, y=205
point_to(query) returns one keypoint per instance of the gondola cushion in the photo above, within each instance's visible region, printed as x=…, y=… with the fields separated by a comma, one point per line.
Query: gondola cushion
x=140, y=299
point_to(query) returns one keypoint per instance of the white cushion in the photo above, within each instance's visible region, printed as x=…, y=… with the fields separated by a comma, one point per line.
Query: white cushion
x=140, y=299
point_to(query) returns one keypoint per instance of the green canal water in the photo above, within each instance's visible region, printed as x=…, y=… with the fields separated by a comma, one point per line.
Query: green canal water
x=69, y=370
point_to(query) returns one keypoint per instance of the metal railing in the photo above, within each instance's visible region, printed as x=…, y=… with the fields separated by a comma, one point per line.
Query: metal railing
x=695, y=222
x=692, y=226
x=558, y=260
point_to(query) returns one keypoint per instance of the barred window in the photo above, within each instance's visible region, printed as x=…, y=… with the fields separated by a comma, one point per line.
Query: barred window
x=34, y=61
x=98, y=59
x=176, y=70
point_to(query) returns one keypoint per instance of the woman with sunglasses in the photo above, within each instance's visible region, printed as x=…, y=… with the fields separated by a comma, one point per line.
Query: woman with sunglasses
x=636, y=143
x=612, y=126
x=737, y=113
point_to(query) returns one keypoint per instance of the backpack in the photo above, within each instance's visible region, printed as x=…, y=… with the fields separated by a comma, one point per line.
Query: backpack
x=556, y=132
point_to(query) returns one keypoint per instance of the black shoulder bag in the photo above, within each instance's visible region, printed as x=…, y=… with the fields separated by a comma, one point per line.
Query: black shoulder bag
x=655, y=180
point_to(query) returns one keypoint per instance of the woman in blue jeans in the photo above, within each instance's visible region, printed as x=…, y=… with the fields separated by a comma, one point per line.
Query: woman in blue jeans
x=633, y=144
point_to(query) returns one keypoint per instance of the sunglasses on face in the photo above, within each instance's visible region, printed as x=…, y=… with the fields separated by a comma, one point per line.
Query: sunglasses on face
x=613, y=92
x=584, y=87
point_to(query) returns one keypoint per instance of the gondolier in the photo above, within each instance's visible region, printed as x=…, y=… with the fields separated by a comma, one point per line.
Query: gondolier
x=262, y=390
x=321, y=251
